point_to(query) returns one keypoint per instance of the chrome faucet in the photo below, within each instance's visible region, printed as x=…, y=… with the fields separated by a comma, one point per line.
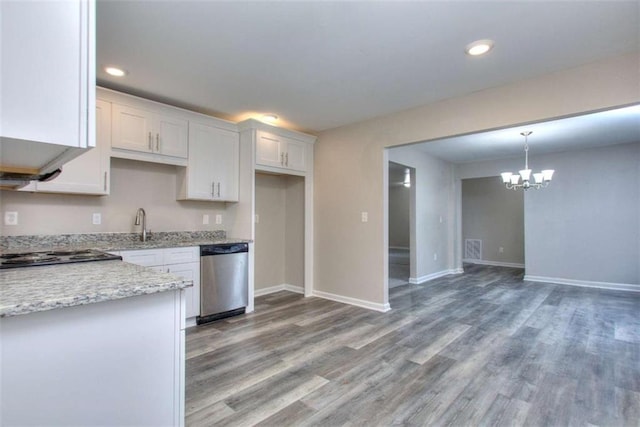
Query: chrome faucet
x=143, y=214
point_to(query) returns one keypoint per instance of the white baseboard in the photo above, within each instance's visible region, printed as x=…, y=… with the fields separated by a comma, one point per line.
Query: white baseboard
x=494, y=263
x=278, y=288
x=353, y=301
x=584, y=283
x=432, y=276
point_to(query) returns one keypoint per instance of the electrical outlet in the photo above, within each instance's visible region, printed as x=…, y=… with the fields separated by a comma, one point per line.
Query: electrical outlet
x=435, y=256
x=205, y=219
x=96, y=219
x=501, y=249
x=365, y=216
x=218, y=219
x=11, y=218
x=257, y=218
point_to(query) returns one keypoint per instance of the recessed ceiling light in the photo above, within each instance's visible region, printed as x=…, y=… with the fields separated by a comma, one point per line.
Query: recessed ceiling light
x=114, y=71
x=479, y=47
x=269, y=118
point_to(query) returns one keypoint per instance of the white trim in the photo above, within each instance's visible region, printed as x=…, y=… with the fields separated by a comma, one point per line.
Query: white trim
x=494, y=263
x=278, y=288
x=432, y=276
x=191, y=321
x=584, y=283
x=353, y=301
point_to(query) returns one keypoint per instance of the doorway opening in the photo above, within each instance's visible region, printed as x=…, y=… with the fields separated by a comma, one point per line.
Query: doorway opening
x=401, y=186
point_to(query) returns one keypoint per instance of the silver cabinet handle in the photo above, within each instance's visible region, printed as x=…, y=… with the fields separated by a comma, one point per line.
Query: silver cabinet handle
x=218, y=189
x=150, y=142
x=286, y=162
x=157, y=142
x=213, y=189
x=105, y=181
x=282, y=159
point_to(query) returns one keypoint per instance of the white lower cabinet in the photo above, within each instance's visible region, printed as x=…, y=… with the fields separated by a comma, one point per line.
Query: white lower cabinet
x=182, y=262
x=115, y=363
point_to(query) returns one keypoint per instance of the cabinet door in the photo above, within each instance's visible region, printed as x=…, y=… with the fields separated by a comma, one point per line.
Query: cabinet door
x=88, y=173
x=295, y=155
x=145, y=257
x=170, y=138
x=48, y=72
x=225, y=165
x=269, y=150
x=200, y=185
x=189, y=271
x=212, y=171
x=182, y=255
x=132, y=129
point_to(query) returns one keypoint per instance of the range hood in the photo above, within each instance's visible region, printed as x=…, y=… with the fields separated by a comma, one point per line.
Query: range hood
x=24, y=161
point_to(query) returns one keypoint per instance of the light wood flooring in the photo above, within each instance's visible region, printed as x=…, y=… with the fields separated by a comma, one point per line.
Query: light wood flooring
x=483, y=348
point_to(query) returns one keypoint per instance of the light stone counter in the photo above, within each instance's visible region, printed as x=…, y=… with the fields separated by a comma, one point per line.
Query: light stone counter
x=113, y=241
x=33, y=289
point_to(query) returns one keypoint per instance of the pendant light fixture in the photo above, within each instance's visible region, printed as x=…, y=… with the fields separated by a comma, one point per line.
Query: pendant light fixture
x=407, y=178
x=540, y=179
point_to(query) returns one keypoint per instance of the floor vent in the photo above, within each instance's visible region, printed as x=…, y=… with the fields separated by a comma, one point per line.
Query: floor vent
x=473, y=249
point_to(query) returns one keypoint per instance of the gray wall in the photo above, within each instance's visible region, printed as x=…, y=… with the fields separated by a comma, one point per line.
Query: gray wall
x=433, y=207
x=494, y=215
x=399, y=206
x=279, y=241
x=585, y=226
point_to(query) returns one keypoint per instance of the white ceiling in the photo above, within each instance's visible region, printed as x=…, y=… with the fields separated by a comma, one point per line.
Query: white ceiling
x=323, y=64
x=616, y=126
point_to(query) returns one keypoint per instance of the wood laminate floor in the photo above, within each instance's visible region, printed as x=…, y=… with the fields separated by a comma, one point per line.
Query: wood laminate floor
x=483, y=348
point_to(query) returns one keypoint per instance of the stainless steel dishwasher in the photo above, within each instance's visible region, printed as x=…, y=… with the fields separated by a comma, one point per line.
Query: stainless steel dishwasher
x=224, y=282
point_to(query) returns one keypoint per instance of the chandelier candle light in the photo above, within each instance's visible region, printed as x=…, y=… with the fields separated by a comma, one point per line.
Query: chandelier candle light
x=541, y=179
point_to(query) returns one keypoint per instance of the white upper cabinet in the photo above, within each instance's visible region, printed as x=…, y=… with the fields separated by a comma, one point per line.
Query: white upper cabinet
x=88, y=173
x=47, y=78
x=212, y=170
x=280, y=152
x=138, y=130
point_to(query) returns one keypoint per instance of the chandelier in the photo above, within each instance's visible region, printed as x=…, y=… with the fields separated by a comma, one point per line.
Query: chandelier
x=540, y=179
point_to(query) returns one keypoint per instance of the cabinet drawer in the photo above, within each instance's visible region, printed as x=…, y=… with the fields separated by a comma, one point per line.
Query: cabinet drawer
x=181, y=255
x=145, y=258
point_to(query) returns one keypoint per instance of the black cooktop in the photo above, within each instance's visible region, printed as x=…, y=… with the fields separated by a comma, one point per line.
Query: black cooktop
x=32, y=259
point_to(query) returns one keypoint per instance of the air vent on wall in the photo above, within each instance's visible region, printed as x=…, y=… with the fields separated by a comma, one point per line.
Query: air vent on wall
x=473, y=249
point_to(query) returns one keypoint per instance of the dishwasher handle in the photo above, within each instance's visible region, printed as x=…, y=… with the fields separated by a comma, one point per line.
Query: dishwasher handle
x=223, y=249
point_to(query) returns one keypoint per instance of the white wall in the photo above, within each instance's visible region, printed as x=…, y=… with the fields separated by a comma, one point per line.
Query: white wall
x=351, y=169
x=133, y=185
x=494, y=215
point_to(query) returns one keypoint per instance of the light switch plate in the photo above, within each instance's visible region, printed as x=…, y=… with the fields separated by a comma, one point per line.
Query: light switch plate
x=96, y=219
x=205, y=219
x=218, y=219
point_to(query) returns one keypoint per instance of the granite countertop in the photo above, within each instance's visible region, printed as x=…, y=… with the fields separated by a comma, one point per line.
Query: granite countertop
x=29, y=290
x=33, y=289
x=114, y=241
